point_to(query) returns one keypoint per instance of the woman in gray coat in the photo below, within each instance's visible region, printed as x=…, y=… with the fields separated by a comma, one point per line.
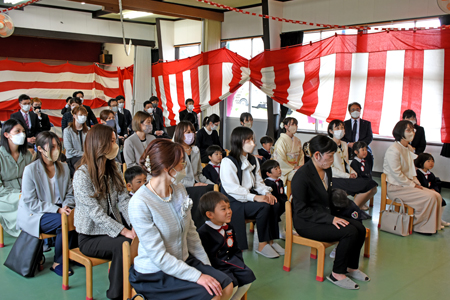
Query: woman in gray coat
x=47, y=194
x=136, y=144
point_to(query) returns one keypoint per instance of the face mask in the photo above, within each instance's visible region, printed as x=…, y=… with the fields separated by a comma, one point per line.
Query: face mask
x=67, y=105
x=214, y=127
x=81, y=119
x=248, y=125
x=148, y=129
x=18, y=139
x=189, y=138
x=338, y=134
x=150, y=110
x=73, y=107
x=155, y=105
x=38, y=108
x=323, y=163
x=190, y=107
x=293, y=129
x=414, y=122
x=409, y=136
x=355, y=114
x=111, y=123
x=121, y=105
x=26, y=107
x=54, y=155
x=82, y=99
x=113, y=153
x=179, y=175
x=114, y=108
x=248, y=147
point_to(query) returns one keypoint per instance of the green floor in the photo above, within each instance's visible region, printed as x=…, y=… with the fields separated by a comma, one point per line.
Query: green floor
x=413, y=267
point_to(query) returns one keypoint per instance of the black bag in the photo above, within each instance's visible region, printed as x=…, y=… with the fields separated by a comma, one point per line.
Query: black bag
x=25, y=255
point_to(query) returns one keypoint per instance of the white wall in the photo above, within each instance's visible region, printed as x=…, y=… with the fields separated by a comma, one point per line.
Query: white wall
x=51, y=19
x=120, y=59
x=347, y=12
x=187, y=32
x=167, y=39
x=238, y=25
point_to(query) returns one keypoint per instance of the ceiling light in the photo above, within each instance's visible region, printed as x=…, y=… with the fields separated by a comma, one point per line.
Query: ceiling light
x=135, y=14
x=83, y=3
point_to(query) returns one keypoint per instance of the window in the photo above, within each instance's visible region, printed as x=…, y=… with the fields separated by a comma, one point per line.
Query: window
x=187, y=51
x=248, y=98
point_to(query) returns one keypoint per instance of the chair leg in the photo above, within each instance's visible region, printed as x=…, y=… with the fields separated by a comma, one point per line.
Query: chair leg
x=89, y=282
x=367, y=244
x=313, y=253
x=288, y=252
x=252, y=227
x=320, y=262
x=379, y=220
x=2, y=244
x=244, y=297
x=371, y=202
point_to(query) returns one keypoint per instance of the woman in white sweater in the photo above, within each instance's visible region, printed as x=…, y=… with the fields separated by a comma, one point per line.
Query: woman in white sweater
x=135, y=145
x=171, y=261
x=402, y=181
x=344, y=177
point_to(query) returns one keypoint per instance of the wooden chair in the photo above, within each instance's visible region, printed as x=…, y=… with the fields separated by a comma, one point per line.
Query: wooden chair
x=371, y=202
x=317, y=248
x=386, y=201
x=2, y=243
x=227, y=151
x=124, y=167
x=288, y=189
x=129, y=253
x=76, y=255
x=204, y=165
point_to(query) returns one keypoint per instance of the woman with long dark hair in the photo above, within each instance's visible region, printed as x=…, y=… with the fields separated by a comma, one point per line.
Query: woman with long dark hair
x=47, y=194
x=249, y=197
x=14, y=156
x=101, y=217
x=208, y=136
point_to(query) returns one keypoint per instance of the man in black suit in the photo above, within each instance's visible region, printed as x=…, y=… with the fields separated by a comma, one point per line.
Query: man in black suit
x=44, y=120
x=189, y=111
x=121, y=127
x=29, y=118
x=125, y=112
x=91, y=119
x=419, y=143
x=357, y=129
x=151, y=106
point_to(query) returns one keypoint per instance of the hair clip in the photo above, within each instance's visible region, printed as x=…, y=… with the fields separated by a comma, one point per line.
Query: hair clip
x=147, y=164
x=282, y=125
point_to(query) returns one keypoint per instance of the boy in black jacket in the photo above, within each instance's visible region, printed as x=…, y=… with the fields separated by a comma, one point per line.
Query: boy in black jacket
x=265, y=151
x=271, y=172
x=212, y=170
x=219, y=240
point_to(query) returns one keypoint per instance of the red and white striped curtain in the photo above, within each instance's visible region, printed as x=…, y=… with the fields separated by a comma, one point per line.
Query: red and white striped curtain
x=385, y=72
x=53, y=84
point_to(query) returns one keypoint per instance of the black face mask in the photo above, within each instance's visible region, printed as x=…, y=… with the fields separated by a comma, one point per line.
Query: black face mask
x=155, y=104
x=38, y=108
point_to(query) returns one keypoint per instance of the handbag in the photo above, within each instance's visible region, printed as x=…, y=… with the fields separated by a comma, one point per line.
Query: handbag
x=395, y=222
x=25, y=255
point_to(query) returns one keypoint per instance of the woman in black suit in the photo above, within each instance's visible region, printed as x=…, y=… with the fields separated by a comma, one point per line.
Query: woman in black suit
x=313, y=214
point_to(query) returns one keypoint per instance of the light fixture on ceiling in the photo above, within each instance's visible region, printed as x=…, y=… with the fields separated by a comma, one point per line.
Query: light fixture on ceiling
x=13, y=1
x=83, y=3
x=135, y=14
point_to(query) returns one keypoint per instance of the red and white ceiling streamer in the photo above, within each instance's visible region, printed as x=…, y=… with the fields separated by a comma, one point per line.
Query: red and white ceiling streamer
x=385, y=72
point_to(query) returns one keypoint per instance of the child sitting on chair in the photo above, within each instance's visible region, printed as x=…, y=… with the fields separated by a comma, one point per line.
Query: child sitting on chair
x=135, y=177
x=219, y=240
x=212, y=170
x=266, y=150
x=271, y=172
x=359, y=163
x=424, y=163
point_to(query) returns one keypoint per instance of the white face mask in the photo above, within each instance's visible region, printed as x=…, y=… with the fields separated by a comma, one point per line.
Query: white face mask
x=338, y=134
x=409, y=136
x=248, y=147
x=414, y=122
x=355, y=114
x=214, y=127
x=114, y=108
x=81, y=119
x=179, y=175
x=190, y=107
x=150, y=110
x=26, y=108
x=18, y=139
x=82, y=99
x=148, y=129
x=121, y=105
x=189, y=138
x=293, y=129
x=248, y=125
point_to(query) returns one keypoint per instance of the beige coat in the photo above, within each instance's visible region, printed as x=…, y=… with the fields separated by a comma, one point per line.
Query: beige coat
x=340, y=158
x=289, y=154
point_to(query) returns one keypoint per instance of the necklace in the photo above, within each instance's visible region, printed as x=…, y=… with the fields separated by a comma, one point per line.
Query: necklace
x=162, y=199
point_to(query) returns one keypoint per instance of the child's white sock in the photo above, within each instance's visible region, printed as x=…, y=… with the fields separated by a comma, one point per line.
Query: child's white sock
x=241, y=292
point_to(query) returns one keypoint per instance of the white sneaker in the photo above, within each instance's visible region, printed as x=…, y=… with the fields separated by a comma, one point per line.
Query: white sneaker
x=278, y=248
x=268, y=252
x=446, y=224
x=333, y=253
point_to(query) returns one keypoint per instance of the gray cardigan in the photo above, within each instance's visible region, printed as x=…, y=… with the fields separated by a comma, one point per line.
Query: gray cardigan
x=194, y=169
x=91, y=216
x=36, y=196
x=133, y=149
x=167, y=234
x=72, y=143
